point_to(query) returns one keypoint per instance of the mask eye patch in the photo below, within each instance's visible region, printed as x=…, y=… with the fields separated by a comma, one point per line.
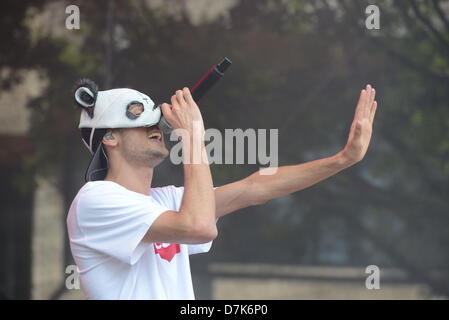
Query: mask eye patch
x=134, y=110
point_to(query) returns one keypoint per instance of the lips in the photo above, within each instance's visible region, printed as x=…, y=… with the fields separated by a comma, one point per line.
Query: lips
x=155, y=134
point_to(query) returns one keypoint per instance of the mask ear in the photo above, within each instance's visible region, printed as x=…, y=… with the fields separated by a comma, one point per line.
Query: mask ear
x=85, y=95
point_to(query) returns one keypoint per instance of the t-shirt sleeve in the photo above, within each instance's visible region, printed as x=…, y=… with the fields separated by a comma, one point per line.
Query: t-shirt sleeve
x=199, y=248
x=114, y=222
x=192, y=248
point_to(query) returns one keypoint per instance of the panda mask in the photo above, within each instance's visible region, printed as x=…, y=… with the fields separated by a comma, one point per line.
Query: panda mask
x=110, y=109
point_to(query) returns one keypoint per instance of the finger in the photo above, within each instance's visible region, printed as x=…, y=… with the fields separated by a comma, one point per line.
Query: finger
x=371, y=102
x=174, y=101
x=187, y=95
x=180, y=98
x=373, y=112
x=360, y=104
x=369, y=93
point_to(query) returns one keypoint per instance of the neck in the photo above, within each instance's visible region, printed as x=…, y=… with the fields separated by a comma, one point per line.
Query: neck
x=134, y=179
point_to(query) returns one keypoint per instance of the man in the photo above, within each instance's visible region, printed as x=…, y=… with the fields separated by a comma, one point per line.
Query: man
x=133, y=241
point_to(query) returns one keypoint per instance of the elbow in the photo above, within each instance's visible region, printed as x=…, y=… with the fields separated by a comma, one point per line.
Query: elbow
x=205, y=232
x=200, y=229
x=211, y=233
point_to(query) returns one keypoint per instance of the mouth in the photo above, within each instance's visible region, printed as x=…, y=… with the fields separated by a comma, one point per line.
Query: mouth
x=154, y=134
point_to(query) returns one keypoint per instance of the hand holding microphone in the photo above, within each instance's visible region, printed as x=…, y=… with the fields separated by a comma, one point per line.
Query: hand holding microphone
x=183, y=112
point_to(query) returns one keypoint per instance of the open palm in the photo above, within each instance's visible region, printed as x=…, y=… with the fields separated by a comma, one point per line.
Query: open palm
x=362, y=126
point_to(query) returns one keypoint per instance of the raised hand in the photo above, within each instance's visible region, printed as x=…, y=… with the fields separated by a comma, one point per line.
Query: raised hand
x=183, y=113
x=362, y=127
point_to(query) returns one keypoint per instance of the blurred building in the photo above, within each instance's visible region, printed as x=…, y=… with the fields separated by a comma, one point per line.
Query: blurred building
x=292, y=282
x=32, y=230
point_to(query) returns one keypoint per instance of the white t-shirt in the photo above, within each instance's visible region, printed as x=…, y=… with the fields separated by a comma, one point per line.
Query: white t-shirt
x=106, y=223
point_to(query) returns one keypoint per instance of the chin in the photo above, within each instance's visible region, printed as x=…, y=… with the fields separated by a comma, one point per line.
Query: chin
x=157, y=156
x=155, y=162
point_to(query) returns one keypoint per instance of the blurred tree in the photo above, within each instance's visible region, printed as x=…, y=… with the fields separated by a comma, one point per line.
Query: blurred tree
x=412, y=196
x=15, y=33
x=17, y=179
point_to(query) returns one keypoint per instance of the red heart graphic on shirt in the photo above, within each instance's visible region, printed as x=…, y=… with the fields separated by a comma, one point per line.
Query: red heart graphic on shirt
x=166, y=250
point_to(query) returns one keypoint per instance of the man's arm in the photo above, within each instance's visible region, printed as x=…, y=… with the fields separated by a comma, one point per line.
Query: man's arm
x=195, y=221
x=257, y=189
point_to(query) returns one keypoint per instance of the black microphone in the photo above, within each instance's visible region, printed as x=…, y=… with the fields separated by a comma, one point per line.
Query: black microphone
x=206, y=82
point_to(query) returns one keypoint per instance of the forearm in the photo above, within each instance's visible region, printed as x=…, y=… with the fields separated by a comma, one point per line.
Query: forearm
x=198, y=200
x=289, y=179
x=258, y=189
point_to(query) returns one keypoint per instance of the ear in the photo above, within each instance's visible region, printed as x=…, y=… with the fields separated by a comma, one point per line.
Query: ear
x=109, y=139
x=85, y=95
